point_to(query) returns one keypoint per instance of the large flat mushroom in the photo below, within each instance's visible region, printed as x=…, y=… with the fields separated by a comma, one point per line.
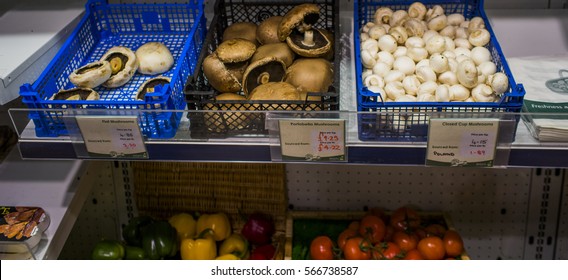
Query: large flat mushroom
x=268, y=69
x=123, y=63
x=241, y=30
x=310, y=75
x=219, y=76
x=76, y=94
x=91, y=75
x=297, y=29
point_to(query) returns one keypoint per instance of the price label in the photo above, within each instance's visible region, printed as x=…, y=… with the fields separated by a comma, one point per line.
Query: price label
x=312, y=140
x=112, y=137
x=462, y=142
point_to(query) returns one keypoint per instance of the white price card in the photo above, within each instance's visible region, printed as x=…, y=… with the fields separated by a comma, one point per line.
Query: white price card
x=114, y=137
x=312, y=140
x=462, y=142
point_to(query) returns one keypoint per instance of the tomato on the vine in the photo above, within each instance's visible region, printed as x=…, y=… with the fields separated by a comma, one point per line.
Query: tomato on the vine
x=373, y=228
x=354, y=225
x=405, y=218
x=432, y=248
x=321, y=248
x=435, y=230
x=389, y=232
x=379, y=212
x=357, y=248
x=345, y=235
x=406, y=241
x=387, y=251
x=413, y=254
x=453, y=243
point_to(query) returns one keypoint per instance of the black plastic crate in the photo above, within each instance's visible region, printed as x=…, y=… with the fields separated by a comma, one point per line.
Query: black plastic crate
x=222, y=123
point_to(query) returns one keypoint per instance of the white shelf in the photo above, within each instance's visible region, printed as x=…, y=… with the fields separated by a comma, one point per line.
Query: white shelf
x=51, y=185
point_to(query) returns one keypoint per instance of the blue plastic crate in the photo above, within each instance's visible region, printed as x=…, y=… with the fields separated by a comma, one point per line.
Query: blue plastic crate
x=392, y=124
x=181, y=27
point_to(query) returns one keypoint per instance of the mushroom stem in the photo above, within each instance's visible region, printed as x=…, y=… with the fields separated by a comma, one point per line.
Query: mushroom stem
x=308, y=38
x=263, y=78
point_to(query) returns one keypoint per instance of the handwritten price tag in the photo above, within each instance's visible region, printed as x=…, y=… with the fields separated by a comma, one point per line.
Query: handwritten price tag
x=312, y=140
x=113, y=137
x=462, y=142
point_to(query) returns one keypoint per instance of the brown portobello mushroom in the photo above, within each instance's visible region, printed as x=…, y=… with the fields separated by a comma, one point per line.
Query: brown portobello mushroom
x=76, y=94
x=274, y=91
x=91, y=75
x=268, y=69
x=150, y=86
x=123, y=63
x=241, y=30
x=279, y=50
x=267, y=31
x=296, y=28
x=219, y=76
x=310, y=75
x=235, y=54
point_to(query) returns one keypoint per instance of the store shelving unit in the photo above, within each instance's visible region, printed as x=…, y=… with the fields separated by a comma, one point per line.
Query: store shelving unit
x=518, y=190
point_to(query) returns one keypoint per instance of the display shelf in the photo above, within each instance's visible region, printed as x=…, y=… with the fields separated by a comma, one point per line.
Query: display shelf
x=525, y=151
x=55, y=186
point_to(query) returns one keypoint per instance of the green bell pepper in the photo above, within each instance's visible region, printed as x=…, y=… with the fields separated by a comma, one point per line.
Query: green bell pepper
x=134, y=253
x=108, y=250
x=159, y=240
x=132, y=234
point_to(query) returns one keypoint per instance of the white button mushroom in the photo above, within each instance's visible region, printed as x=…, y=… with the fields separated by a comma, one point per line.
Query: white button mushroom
x=455, y=19
x=462, y=43
x=433, y=12
x=154, y=58
x=461, y=32
x=483, y=93
x=450, y=45
x=400, y=51
x=367, y=59
x=415, y=27
x=394, y=75
x=371, y=45
x=404, y=64
x=453, y=64
x=425, y=74
x=449, y=54
x=423, y=62
x=426, y=98
x=429, y=34
x=443, y=93
x=374, y=80
x=394, y=90
x=398, y=18
x=417, y=10
x=479, y=37
x=439, y=63
x=399, y=34
x=475, y=24
x=462, y=51
x=467, y=73
x=366, y=73
x=377, y=31
x=499, y=82
x=383, y=15
x=459, y=93
x=438, y=23
x=411, y=84
x=386, y=57
x=387, y=43
x=417, y=54
x=367, y=27
x=448, y=78
x=428, y=87
x=364, y=37
x=406, y=98
x=414, y=42
x=480, y=55
x=436, y=44
x=487, y=68
x=381, y=69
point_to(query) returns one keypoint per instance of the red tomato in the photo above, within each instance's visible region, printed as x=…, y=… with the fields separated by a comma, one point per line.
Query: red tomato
x=432, y=248
x=387, y=251
x=354, y=225
x=435, y=230
x=453, y=243
x=357, y=248
x=405, y=218
x=344, y=236
x=389, y=232
x=421, y=233
x=406, y=241
x=413, y=254
x=373, y=228
x=321, y=248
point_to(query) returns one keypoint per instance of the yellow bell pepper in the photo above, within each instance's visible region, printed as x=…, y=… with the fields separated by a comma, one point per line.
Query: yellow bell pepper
x=184, y=224
x=235, y=244
x=201, y=248
x=218, y=222
x=227, y=257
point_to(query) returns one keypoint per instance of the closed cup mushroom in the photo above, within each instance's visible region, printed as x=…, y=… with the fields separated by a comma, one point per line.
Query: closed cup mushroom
x=154, y=58
x=267, y=30
x=123, y=64
x=296, y=28
x=241, y=30
x=91, y=75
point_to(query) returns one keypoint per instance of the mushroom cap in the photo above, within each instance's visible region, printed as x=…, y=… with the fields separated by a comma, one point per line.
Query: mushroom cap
x=128, y=69
x=330, y=37
x=150, y=83
x=310, y=74
x=279, y=50
x=307, y=13
x=221, y=122
x=218, y=76
x=91, y=75
x=275, y=91
x=268, y=69
x=242, y=30
x=154, y=58
x=235, y=50
x=76, y=94
x=267, y=31
x=321, y=47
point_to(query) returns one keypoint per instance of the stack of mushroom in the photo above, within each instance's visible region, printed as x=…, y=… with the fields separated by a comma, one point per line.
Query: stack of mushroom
x=422, y=54
x=282, y=58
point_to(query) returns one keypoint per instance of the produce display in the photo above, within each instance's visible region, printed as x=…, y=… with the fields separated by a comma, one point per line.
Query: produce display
x=209, y=237
x=116, y=68
x=268, y=61
x=403, y=235
x=423, y=54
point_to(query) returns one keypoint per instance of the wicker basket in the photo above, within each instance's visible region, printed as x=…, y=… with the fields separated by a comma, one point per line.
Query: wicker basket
x=238, y=189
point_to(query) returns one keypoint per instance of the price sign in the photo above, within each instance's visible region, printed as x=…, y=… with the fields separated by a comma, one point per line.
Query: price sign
x=462, y=142
x=312, y=140
x=114, y=137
